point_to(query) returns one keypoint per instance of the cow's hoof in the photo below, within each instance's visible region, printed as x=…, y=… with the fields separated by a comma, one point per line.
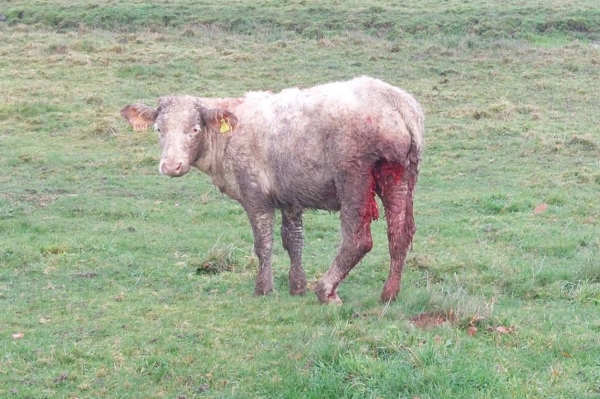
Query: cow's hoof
x=326, y=294
x=263, y=284
x=390, y=292
x=297, y=282
x=334, y=300
x=297, y=291
x=260, y=291
x=388, y=297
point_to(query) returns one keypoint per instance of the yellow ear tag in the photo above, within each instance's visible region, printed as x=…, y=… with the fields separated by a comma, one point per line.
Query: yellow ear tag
x=225, y=127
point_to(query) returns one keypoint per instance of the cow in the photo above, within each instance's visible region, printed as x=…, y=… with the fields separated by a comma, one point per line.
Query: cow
x=333, y=146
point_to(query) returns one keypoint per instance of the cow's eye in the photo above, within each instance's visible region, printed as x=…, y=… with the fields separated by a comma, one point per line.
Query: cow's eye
x=196, y=129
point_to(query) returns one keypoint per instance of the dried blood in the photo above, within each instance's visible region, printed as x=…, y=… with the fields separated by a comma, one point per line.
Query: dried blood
x=387, y=174
x=371, y=207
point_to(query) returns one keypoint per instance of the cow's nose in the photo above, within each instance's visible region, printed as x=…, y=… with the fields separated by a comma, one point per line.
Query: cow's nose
x=171, y=168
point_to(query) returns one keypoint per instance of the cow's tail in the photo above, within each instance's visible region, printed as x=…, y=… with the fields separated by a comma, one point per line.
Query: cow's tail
x=412, y=114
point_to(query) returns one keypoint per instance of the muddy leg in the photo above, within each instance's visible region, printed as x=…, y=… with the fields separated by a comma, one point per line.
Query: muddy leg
x=293, y=241
x=395, y=187
x=358, y=208
x=262, y=229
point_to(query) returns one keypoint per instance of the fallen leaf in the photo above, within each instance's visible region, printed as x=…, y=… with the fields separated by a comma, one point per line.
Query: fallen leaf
x=540, y=208
x=428, y=320
x=18, y=336
x=502, y=330
x=472, y=331
x=44, y=320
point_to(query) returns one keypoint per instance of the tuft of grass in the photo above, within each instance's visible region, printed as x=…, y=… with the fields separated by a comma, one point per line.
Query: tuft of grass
x=219, y=260
x=586, y=141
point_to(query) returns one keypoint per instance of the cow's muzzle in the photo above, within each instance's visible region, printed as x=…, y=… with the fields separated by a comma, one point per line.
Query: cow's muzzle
x=173, y=168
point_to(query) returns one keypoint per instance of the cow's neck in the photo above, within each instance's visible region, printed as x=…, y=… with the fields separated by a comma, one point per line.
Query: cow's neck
x=213, y=163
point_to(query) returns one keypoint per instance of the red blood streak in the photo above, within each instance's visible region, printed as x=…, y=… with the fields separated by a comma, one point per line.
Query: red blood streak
x=387, y=174
x=383, y=175
x=368, y=213
x=371, y=212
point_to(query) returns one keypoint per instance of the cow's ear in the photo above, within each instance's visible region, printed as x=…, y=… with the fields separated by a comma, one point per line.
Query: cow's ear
x=139, y=115
x=218, y=119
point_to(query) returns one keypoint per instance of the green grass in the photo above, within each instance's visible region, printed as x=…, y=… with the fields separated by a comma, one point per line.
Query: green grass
x=127, y=284
x=326, y=18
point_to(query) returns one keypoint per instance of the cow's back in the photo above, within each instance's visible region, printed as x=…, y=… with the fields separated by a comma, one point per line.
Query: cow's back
x=299, y=142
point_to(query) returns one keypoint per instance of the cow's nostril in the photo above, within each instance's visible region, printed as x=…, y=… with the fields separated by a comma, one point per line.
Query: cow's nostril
x=178, y=167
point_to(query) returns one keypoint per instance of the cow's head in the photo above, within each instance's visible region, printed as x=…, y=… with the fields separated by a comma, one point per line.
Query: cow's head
x=184, y=125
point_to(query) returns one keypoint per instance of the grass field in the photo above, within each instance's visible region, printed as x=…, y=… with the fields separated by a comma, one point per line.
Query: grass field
x=116, y=282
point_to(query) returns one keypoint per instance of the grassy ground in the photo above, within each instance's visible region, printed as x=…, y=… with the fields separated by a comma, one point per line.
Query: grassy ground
x=117, y=282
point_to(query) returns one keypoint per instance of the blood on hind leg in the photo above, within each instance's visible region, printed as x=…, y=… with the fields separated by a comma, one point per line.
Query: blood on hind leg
x=395, y=185
x=358, y=210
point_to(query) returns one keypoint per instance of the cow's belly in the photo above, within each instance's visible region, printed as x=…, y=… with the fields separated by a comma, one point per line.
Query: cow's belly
x=306, y=191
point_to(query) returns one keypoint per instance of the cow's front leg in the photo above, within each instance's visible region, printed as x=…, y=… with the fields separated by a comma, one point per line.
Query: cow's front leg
x=262, y=228
x=293, y=241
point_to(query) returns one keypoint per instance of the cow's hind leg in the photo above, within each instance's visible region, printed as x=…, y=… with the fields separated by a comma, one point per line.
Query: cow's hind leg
x=358, y=209
x=395, y=186
x=293, y=241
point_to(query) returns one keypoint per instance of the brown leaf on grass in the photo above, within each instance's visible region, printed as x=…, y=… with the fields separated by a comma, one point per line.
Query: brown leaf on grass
x=429, y=320
x=472, y=331
x=502, y=330
x=18, y=336
x=540, y=208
